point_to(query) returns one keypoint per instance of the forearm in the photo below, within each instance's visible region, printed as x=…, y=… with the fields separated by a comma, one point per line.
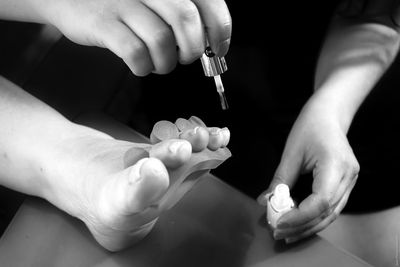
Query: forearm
x=353, y=59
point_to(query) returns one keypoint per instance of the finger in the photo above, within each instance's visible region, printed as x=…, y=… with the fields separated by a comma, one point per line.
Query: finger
x=218, y=23
x=282, y=233
x=347, y=183
x=118, y=38
x=288, y=170
x=184, y=18
x=262, y=199
x=290, y=232
x=324, y=223
x=344, y=188
x=310, y=208
x=327, y=177
x=173, y=152
x=155, y=33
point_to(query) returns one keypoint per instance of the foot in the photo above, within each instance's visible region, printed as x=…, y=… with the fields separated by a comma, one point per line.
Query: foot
x=119, y=188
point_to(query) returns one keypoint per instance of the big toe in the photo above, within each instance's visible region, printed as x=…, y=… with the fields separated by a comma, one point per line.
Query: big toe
x=125, y=212
x=137, y=187
x=149, y=181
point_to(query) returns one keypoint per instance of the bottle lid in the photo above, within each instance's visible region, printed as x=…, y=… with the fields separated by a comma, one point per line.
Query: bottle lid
x=281, y=199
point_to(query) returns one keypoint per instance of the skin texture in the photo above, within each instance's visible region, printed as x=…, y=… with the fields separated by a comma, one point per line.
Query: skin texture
x=111, y=185
x=150, y=36
x=359, y=47
x=117, y=188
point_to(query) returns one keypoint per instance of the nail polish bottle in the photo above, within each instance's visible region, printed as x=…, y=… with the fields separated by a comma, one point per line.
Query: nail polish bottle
x=279, y=203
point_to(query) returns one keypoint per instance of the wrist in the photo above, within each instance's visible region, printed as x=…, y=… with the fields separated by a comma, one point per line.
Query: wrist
x=332, y=109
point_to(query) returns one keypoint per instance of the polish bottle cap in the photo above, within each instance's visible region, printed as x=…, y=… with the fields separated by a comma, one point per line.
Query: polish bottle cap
x=281, y=199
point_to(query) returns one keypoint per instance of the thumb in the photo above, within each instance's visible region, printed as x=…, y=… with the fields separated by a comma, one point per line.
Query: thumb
x=287, y=172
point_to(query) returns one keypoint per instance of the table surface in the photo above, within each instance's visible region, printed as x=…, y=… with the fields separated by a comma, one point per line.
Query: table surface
x=212, y=225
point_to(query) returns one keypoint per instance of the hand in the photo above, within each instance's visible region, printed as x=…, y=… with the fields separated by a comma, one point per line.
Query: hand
x=145, y=33
x=316, y=143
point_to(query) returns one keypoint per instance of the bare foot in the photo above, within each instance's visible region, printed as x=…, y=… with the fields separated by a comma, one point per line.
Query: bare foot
x=119, y=188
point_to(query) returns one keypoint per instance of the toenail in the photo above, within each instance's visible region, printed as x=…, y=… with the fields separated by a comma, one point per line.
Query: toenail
x=135, y=175
x=215, y=131
x=226, y=135
x=175, y=146
x=197, y=121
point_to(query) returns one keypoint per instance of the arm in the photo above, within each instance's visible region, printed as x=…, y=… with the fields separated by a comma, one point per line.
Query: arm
x=356, y=53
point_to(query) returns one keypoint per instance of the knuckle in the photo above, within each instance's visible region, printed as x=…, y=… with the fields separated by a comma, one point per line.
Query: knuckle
x=166, y=68
x=187, y=11
x=133, y=50
x=163, y=37
x=325, y=202
x=345, y=161
x=191, y=55
x=194, y=53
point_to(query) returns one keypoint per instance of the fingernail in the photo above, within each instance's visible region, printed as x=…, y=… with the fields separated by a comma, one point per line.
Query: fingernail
x=223, y=47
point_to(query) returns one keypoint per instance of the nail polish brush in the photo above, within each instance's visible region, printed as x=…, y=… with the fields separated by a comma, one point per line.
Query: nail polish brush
x=214, y=66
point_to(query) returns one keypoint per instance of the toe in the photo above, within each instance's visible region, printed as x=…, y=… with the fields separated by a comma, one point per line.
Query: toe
x=184, y=124
x=133, y=190
x=149, y=181
x=173, y=152
x=163, y=130
x=226, y=136
x=198, y=137
x=216, y=139
x=197, y=121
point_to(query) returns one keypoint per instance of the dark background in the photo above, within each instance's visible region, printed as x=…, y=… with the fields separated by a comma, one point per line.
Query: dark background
x=271, y=64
